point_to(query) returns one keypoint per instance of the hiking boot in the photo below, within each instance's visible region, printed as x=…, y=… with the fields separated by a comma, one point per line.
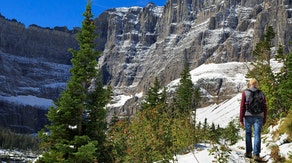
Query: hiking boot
x=257, y=158
x=248, y=155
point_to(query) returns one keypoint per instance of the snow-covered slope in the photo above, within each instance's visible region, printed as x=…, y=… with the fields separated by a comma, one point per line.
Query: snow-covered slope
x=218, y=81
x=144, y=43
x=28, y=87
x=222, y=113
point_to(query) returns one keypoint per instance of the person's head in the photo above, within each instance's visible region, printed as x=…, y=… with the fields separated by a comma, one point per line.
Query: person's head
x=253, y=82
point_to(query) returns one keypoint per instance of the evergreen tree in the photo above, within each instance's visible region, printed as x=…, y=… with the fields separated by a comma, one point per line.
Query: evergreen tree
x=159, y=137
x=154, y=96
x=231, y=132
x=148, y=136
x=77, y=121
x=285, y=93
x=213, y=135
x=154, y=134
x=263, y=73
x=286, y=125
x=205, y=129
x=284, y=78
x=118, y=135
x=187, y=95
x=11, y=140
x=276, y=86
x=186, y=100
x=199, y=132
x=183, y=135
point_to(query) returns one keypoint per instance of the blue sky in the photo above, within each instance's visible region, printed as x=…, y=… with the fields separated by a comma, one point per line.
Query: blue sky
x=51, y=13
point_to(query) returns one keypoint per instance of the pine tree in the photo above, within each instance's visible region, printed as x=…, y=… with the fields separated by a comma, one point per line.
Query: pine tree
x=276, y=86
x=263, y=73
x=199, y=132
x=213, y=135
x=154, y=96
x=118, y=134
x=149, y=136
x=187, y=95
x=284, y=78
x=77, y=121
x=285, y=92
x=286, y=125
x=205, y=130
x=231, y=132
x=155, y=134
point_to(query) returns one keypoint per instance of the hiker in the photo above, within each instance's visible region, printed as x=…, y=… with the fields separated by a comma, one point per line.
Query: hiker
x=249, y=119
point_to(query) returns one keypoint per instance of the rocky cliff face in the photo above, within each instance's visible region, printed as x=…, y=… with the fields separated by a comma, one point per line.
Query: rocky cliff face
x=36, y=42
x=143, y=43
x=137, y=44
x=34, y=67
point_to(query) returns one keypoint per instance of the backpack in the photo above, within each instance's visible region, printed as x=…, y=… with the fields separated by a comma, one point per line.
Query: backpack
x=255, y=103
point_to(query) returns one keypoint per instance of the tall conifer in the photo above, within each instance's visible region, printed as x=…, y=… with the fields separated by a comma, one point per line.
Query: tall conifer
x=284, y=81
x=77, y=121
x=262, y=70
x=187, y=95
x=154, y=96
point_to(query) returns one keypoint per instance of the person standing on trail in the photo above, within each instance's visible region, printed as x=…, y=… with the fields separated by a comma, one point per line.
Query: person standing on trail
x=253, y=115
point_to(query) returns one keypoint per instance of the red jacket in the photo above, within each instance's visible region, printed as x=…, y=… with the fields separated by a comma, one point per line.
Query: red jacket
x=243, y=110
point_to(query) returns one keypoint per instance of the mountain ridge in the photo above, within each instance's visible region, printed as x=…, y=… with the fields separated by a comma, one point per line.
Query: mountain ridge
x=218, y=33
x=137, y=45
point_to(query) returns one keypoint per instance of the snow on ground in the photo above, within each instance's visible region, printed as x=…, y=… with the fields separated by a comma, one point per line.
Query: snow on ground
x=219, y=114
x=200, y=154
x=233, y=72
x=29, y=100
x=222, y=113
x=119, y=100
x=16, y=155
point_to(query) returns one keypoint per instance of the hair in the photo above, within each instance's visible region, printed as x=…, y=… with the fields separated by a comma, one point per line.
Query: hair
x=253, y=82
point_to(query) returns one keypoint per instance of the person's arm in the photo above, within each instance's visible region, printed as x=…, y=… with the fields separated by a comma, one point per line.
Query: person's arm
x=242, y=109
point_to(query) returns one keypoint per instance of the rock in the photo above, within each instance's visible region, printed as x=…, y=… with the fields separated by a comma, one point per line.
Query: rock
x=34, y=62
x=210, y=32
x=141, y=43
x=36, y=42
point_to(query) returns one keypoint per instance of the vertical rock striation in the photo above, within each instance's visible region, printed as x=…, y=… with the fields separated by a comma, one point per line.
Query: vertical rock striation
x=34, y=67
x=142, y=43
